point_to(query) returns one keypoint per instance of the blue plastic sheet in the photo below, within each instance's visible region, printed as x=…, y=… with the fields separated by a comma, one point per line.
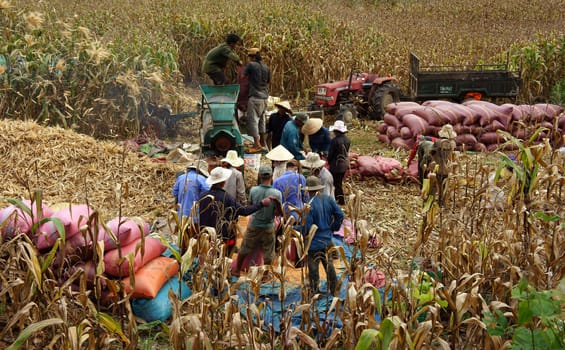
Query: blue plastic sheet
x=160, y=307
x=275, y=309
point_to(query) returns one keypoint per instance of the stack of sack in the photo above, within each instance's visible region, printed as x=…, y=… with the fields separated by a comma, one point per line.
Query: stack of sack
x=475, y=122
x=153, y=274
x=384, y=168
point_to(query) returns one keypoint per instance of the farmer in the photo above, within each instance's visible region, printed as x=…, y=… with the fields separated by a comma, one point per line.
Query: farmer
x=441, y=153
x=217, y=59
x=261, y=229
x=189, y=186
x=291, y=139
x=317, y=167
x=291, y=185
x=235, y=185
x=327, y=216
x=338, y=158
x=277, y=121
x=318, y=136
x=220, y=211
x=279, y=156
x=259, y=77
x=425, y=148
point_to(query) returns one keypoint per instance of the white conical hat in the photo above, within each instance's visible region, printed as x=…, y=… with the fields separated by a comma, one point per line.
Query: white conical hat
x=279, y=154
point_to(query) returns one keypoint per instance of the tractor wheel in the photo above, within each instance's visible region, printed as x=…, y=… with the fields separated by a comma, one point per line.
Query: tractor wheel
x=382, y=96
x=347, y=113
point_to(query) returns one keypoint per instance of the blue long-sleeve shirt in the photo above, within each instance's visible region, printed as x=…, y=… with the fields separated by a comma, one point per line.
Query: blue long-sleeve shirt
x=320, y=141
x=327, y=215
x=288, y=184
x=290, y=139
x=187, y=190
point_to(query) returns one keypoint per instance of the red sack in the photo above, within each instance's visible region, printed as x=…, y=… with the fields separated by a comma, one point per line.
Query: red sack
x=399, y=142
x=417, y=125
x=153, y=248
x=390, y=168
x=73, y=217
x=392, y=120
x=399, y=107
x=406, y=133
x=14, y=220
x=125, y=230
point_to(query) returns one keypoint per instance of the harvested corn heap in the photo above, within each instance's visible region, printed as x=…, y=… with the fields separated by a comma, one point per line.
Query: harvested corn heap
x=70, y=167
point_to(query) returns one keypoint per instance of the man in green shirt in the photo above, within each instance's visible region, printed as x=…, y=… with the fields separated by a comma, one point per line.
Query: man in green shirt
x=217, y=59
x=261, y=229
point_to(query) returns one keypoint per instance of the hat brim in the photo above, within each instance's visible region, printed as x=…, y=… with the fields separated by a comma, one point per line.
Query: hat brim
x=312, y=165
x=332, y=128
x=234, y=162
x=279, y=154
x=215, y=180
x=202, y=171
x=284, y=106
x=312, y=126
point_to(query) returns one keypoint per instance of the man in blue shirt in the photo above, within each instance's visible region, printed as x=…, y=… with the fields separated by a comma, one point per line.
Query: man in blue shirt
x=318, y=136
x=291, y=185
x=189, y=186
x=327, y=216
x=290, y=137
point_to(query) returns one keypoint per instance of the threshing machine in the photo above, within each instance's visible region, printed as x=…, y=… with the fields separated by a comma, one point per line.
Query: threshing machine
x=220, y=132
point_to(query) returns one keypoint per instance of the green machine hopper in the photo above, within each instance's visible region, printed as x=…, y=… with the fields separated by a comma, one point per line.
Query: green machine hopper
x=220, y=132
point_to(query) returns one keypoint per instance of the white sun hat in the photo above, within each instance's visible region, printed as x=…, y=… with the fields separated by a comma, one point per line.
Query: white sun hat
x=339, y=125
x=233, y=159
x=217, y=175
x=313, y=161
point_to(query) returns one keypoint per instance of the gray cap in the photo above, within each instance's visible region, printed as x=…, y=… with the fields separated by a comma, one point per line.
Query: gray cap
x=265, y=170
x=302, y=117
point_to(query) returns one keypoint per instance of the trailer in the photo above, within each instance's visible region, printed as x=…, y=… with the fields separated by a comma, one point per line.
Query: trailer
x=460, y=82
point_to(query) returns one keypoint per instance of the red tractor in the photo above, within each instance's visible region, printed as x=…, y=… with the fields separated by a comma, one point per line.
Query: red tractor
x=364, y=94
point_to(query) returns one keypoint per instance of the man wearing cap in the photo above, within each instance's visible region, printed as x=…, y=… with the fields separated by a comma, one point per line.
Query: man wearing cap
x=279, y=156
x=259, y=77
x=317, y=167
x=318, y=136
x=327, y=216
x=220, y=211
x=217, y=59
x=235, y=185
x=277, y=121
x=291, y=139
x=261, y=229
x=338, y=158
x=291, y=185
x=189, y=186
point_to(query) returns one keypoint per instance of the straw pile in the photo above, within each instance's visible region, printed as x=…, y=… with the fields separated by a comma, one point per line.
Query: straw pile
x=74, y=168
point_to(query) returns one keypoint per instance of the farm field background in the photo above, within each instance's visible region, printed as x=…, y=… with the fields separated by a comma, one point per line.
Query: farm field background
x=92, y=67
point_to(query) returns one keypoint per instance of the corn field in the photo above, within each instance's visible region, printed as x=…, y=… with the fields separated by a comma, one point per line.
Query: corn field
x=95, y=67
x=484, y=271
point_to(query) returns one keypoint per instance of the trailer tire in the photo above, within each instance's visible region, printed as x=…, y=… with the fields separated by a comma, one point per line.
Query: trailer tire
x=347, y=113
x=382, y=96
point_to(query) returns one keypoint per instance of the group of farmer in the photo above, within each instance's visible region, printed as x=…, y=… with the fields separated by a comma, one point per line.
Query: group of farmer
x=212, y=199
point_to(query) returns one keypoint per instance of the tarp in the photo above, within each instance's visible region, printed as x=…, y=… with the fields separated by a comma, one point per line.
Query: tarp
x=275, y=309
